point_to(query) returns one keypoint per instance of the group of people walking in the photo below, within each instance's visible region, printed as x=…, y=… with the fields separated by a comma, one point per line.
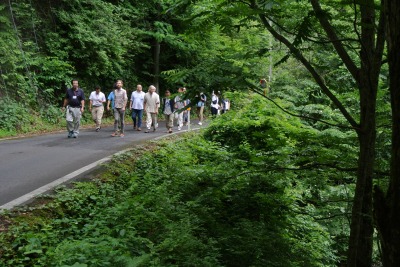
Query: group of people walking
x=176, y=107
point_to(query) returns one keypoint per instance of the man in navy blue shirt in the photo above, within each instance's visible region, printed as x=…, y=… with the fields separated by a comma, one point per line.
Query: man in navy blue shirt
x=74, y=101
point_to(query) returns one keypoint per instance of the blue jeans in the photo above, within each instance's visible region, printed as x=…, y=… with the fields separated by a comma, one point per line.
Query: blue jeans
x=139, y=114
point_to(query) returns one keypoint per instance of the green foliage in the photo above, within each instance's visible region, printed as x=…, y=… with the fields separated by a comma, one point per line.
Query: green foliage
x=230, y=198
x=13, y=115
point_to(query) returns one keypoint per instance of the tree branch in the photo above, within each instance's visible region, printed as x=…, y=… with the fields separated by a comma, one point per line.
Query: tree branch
x=295, y=51
x=335, y=40
x=255, y=89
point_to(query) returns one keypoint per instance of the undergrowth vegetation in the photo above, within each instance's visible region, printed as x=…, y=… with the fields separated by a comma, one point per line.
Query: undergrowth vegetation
x=256, y=188
x=17, y=118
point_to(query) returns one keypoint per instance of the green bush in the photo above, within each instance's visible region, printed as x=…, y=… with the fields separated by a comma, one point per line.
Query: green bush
x=219, y=199
x=13, y=115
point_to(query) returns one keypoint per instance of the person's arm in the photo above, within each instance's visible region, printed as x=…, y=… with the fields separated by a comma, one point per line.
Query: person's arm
x=90, y=104
x=82, y=101
x=157, y=104
x=125, y=100
x=82, y=105
x=65, y=103
x=131, y=102
x=109, y=100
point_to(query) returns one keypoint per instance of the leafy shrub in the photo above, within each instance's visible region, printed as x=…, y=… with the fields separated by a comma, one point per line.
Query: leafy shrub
x=51, y=114
x=225, y=200
x=13, y=115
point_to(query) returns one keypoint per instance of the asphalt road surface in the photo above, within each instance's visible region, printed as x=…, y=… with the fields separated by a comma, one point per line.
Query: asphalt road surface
x=27, y=164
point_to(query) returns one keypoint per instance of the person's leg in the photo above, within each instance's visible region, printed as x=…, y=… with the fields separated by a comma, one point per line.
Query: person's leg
x=170, y=122
x=76, y=114
x=167, y=124
x=94, y=115
x=139, y=120
x=148, y=120
x=100, y=112
x=116, y=120
x=134, y=114
x=154, y=118
x=70, y=122
x=185, y=117
x=70, y=128
x=213, y=111
x=122, y=118
x=201, y=115
x=180, y=121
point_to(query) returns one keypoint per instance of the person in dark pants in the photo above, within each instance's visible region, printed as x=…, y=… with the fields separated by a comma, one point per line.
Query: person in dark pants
x=74, y=103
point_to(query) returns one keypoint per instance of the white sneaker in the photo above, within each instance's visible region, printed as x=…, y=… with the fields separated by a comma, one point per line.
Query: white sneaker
x=179, y=128
x=200, y=123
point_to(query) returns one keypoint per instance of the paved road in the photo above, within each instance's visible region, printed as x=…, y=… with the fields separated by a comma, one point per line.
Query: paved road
x=27, y=164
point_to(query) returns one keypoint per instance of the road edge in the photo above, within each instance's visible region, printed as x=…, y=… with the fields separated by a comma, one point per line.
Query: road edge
x=50, y=186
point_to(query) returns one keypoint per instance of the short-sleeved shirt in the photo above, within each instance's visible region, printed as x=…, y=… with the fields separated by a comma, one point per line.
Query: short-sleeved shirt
x=214, y=101
x=137, y=99
x=97, y=99
x=168, y=109
x=202, y=103
x=151, y=101
x=111, y=98
x=179, y=102
x=75, y=97
x=120, y=98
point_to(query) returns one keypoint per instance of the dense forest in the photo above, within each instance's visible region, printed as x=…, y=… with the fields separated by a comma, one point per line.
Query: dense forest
x=307, y=171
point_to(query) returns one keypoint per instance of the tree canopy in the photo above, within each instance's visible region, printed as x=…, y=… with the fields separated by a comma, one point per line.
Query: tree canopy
x=331, y=64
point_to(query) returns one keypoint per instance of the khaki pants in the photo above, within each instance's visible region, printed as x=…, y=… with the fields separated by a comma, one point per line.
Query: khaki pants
x=170, y=120
x=97, y=115
x=200, y=111
x=151, y=119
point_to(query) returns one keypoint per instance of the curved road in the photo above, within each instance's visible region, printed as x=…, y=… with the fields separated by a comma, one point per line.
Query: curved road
x=29, y=164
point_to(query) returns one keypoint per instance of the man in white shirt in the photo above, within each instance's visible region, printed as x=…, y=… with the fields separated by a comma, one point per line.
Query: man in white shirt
x=137, y=105
x=97, y=99
x=151, y=105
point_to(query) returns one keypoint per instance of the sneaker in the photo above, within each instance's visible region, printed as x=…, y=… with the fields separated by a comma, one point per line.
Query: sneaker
x=170, y=131
x=148, y=130
x=114, y=134
x=97, y=129
x=154, y=129
x=75, y=136
x=70, y=134
x=200, y=123
x=121, y=135
x=179, y=128
x=139, y=129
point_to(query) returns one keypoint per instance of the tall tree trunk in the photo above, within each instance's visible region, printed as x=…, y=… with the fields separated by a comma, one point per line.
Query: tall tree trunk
x=156, y=65
x=361, y=228
x=367, y=76
x=387, y=210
